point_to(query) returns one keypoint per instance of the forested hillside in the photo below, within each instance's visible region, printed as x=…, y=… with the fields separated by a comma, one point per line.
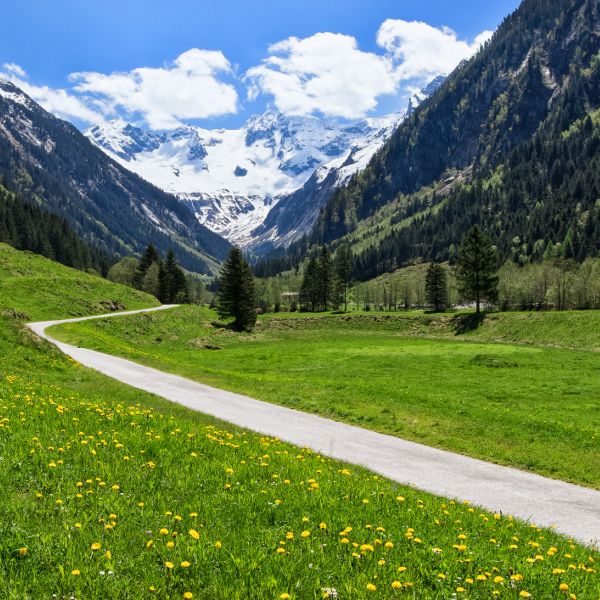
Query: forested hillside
x=27, y=227
x=513, y=135
x=50, y=163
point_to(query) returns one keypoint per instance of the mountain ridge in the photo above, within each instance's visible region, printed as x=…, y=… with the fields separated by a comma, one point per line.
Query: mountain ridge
x=48, y=162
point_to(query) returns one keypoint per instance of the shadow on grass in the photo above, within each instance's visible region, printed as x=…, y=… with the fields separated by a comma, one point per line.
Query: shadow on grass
x=467, y=323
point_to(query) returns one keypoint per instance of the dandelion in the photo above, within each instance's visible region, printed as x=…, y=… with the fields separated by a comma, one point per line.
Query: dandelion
x=164, y=531
x=184, y=564
x=524, y=594
x=305, y=534
x=285, y=596
x=169, y=564
x=218, y=545
x=188, y=595
x=96, y=546
x=22, y=551
x=75, y=572
x=563, y=587
x=371, y=587
x=396, y=585
x=193, y=533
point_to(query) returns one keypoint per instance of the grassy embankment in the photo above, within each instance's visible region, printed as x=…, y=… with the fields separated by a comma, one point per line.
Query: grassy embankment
x=531, y=401
x=108, y=492
x=45, y=289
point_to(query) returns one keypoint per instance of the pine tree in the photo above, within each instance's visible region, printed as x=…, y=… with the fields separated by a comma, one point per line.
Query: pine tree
x=324, y=276
x=436, y=287
x=309, y=290
x=476, y=268
x=237, y=294
x=149, y=257
x=342, y=273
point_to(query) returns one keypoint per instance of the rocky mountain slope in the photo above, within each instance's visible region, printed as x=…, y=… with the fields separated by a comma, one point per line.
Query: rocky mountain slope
x=48, y=162
x=262, y=185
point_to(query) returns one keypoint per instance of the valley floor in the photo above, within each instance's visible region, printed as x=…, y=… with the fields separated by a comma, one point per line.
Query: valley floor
x=521, y=404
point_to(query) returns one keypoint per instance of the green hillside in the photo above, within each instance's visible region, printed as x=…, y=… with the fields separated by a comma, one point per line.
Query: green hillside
x=44, y=289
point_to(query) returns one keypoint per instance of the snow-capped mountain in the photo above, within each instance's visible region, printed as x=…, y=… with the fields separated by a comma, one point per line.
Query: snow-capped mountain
x=233, y=178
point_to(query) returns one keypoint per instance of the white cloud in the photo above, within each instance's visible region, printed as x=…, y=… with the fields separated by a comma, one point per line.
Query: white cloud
x=57, y=101
x=189, y=88
x=14, y=69
x=324, y=73
x=421, y=51
x=327, y=73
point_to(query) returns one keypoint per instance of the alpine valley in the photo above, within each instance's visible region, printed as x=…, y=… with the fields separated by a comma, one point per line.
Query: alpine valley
x=260, y=186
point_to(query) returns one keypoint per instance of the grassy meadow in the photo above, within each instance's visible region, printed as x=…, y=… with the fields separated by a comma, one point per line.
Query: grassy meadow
x=109, y=492
x=512, y=390
x=44, y=289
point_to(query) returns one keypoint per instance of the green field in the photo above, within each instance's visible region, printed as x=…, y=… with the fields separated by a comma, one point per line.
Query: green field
x=527, y=403
x=109, y=492
x=44, y=289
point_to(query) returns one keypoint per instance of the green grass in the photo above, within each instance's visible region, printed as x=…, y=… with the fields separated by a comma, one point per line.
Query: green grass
x=93, y=470
x=533, y=407
x=44, y=289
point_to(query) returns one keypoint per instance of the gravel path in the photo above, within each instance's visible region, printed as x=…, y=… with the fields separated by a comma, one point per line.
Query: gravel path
x=571, y=509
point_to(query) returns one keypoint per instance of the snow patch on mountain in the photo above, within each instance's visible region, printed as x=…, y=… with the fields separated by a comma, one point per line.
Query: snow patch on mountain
x=233, y=178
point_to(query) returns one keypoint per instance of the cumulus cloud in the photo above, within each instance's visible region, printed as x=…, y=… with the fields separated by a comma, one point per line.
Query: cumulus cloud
x=55, y=100
x=14, y=69
x=422, y=51
x=188, y=88
x=327, y=73
x=324, y=73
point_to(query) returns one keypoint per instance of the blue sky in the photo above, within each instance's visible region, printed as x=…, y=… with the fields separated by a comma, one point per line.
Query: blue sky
x=215, y=63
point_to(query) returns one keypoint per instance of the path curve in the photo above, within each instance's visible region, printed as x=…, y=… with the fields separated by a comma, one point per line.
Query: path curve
x=573, y=510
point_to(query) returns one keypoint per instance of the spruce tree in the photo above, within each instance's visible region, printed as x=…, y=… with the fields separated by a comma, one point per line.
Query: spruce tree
x=342, y=273
x=476, y=268
x=436, y=287
x=237, y=294
x=309, y=290
x=325, y=279
x=149, y=257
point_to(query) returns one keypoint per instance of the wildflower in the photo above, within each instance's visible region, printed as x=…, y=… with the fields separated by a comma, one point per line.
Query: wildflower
x=188, y=595
x=280, y=550
x=193, y=533
x=460, y=590
x=169, y=564
x=322, y=525
x=524, y=594
x=170, y=545
x=396, y=585
x=371, y=587
x=22, y=551
x=75, y=572
x=96, y=546
x=285, y=596
x=218, y=545
x=184, y=564
x=498, y=579
x=108, y=554
x=305, y=534
x=164, y=531
x=563, y=587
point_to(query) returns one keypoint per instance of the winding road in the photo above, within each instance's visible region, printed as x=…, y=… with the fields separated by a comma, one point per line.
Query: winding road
x=571, y=509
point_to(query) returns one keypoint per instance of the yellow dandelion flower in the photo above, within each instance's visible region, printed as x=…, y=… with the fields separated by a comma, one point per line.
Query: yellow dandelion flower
x=164, y=531
x=96, y=546
x=371, y=587
x=23, y=551
x=285, y=596
x=563, y=587
x=396, y=585
x=305, y=534
x=169, y=564
x=193, y=533
x=184, y=564
x=524, y=594
x=188, y=595
x=75, y=572
x=218, y=545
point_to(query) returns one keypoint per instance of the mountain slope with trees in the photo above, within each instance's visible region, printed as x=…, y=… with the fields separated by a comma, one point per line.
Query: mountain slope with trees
x=511, y=141
x=50, y=163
